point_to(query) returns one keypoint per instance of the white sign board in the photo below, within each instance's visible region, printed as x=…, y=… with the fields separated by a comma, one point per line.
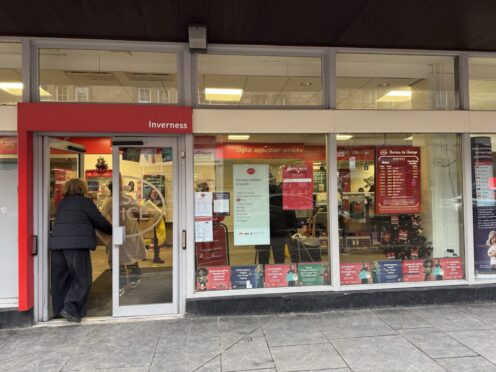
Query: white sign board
x=251, y=204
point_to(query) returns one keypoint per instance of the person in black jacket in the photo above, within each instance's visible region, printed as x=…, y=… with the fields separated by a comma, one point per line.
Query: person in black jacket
x=282, y=224
x=71, y=240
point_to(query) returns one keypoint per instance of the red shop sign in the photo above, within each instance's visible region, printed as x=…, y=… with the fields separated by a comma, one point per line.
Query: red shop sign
x=8, y=145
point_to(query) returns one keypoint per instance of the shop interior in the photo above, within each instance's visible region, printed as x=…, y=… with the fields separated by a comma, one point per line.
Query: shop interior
x=400, y=204
x=146, y=184
x=298, y=232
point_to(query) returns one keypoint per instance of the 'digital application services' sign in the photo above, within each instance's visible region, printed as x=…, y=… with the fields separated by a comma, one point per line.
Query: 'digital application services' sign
x=251, y=204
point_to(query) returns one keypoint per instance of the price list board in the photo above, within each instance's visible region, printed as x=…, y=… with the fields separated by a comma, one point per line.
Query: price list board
x=398, y=180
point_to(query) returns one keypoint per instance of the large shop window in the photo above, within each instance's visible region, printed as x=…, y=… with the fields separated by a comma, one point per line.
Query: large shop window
x=10, y=73
x=124, y=76
x=260, y=211
x=400, y=208
x=482, y=83
x=8, y=217
x=484, y=203
x=395, y=82
x=259, y=80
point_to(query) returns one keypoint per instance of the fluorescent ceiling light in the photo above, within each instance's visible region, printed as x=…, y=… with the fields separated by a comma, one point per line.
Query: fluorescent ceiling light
x=223, y=94
x=15, y=88
x=238, y=137
x=343, y=137
x=400, y=95
x=408, y=138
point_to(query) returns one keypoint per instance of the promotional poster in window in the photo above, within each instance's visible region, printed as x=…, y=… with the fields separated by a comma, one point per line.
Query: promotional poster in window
x=484, y=205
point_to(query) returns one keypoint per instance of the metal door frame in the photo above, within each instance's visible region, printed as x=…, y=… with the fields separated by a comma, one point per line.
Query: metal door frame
x=149, y=309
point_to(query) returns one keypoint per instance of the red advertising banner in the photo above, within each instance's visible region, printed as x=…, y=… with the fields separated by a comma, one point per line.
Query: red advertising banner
x=452, y=268
x=213, y=278
x=263, y=151
x=278, y=275
x=350, y=273
x=397, y=180
x=297, y=187
x=413, y=271
x=8, y=145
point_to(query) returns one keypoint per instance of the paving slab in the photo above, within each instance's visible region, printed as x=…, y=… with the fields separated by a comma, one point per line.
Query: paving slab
x=293, y=330
x=352, y=324
x=383, y=353
x=483, y=312
x=401, y=318
x=464, y=364
x=435, y=343
x=248, y=353
x=306, y=357
x=449, y=318
x=125, y=345
x=480, y=341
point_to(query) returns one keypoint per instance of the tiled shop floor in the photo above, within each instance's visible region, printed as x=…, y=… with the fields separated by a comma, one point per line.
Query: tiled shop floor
x=433, y=338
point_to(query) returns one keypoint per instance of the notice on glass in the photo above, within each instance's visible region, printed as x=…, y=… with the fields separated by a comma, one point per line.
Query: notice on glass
x=297, y=187
x=251, y=204
x=390, y=271
x=352, y=273
x=203, y=217
x=313, y=274
x=221, y=203
x=247, y=277
x=413, y=271
x=398, y=180
x=280, y=275
x=213, y=278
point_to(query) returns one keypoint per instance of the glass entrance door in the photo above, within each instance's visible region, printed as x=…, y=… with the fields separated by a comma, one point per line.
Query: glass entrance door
x=144, y=212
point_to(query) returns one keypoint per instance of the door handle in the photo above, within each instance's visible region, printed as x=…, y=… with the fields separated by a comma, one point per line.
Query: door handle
x=119, y=235
x=183, y=239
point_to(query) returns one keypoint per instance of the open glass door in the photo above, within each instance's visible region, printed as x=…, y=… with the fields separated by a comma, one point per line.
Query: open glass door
x=144, y=213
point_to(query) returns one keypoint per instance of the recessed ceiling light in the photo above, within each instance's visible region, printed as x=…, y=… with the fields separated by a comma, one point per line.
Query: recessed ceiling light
x=399, y=95
x=238, y=137
x=408, y=138
x=15, y=88
x=383, y=85
x=223, y=94
x=306, y=84
x=343, y=137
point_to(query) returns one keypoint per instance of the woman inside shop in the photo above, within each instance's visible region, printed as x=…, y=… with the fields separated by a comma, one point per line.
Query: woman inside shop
x=71, y=240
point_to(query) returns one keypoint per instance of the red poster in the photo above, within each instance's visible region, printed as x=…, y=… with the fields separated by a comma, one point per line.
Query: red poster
x=397, y=180
x=297, y=187
x=8, y=145
x=277, y=275
x=213, y=278
x=212, y=253
x=350, y=273
x=413, y=271
x=452, y=268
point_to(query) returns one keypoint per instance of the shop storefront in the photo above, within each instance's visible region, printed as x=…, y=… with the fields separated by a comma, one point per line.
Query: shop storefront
x=368, y=186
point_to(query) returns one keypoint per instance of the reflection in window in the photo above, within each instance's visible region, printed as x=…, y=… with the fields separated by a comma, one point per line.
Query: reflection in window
x=10, y=73
x=395, y=82
x=482, y=83
x=260, y=211
x=259, y=80
x=107, y=76
x=400, y=208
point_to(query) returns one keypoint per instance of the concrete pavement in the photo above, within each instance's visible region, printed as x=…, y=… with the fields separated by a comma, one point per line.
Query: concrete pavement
x=431, y=338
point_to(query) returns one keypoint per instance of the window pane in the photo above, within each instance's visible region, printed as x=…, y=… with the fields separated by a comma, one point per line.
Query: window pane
x=482, y=83
x=395, y=82
x=10, y=73
x=107, y=76
x=400, y=208
x=260, y=211
x=259, y=80
x=484, y=203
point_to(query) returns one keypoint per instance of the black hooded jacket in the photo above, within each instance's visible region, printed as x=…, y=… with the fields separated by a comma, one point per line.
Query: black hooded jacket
x=75, y=223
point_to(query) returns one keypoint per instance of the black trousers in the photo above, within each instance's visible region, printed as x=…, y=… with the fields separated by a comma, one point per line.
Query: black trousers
x=71, y=279
x=277, y=243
